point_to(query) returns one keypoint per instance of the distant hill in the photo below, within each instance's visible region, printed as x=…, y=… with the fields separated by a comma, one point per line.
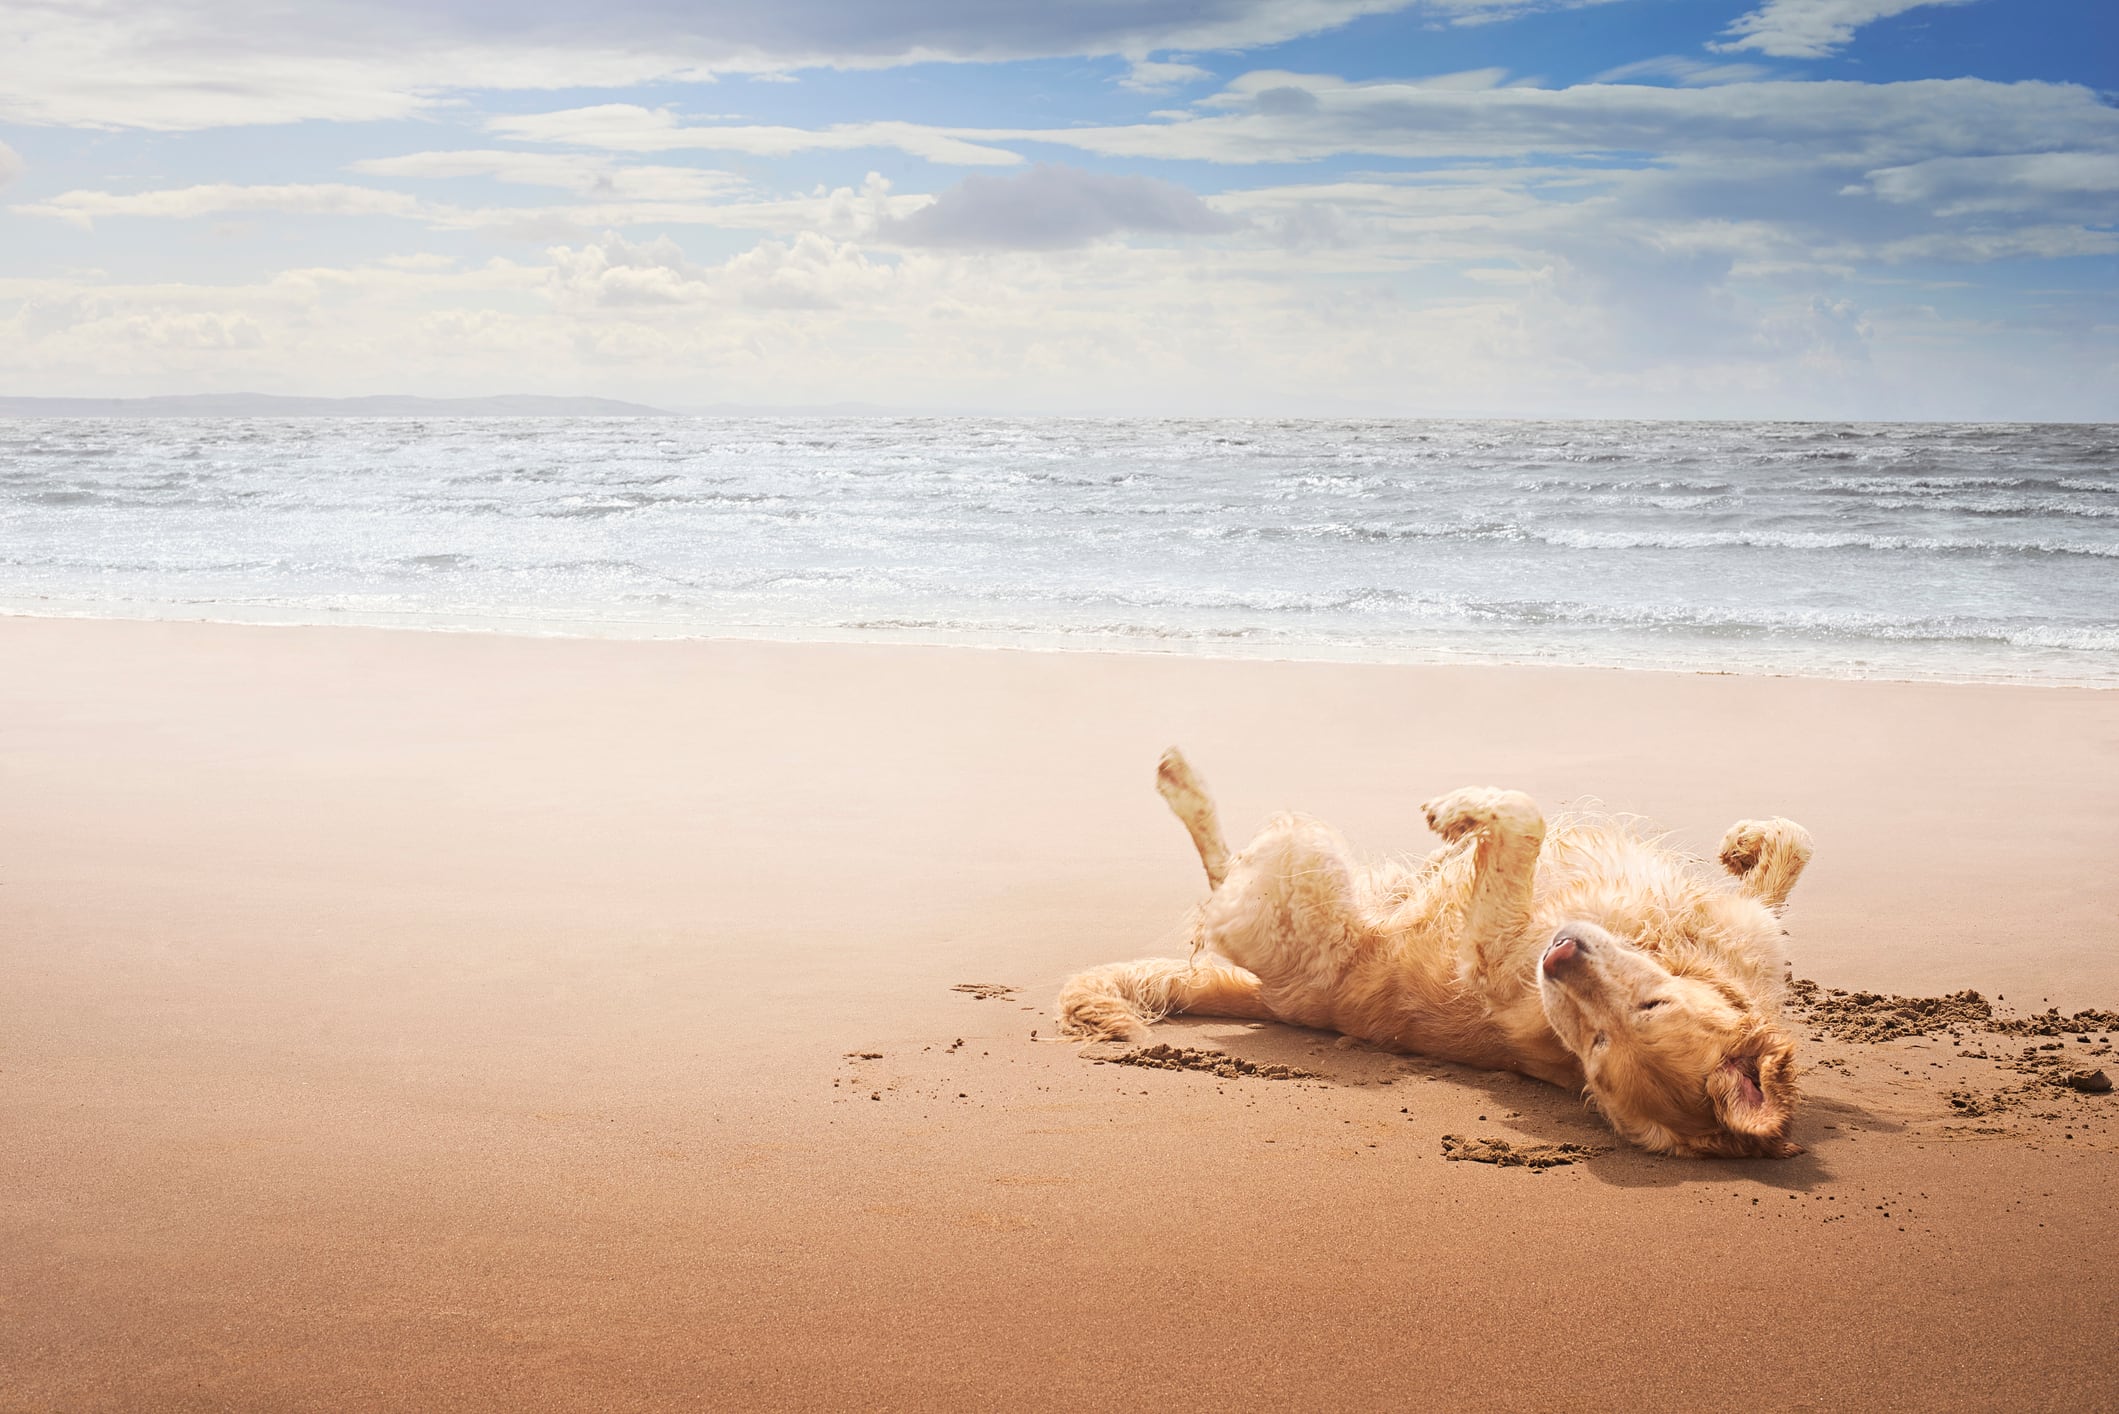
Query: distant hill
x=265, y=405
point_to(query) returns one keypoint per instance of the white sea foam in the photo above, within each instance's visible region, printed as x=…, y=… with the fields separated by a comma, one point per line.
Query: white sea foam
x=1944, y=551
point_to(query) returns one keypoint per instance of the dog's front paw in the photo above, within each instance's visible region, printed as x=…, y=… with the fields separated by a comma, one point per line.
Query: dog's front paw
x=1473, y=808
x=1749, y=842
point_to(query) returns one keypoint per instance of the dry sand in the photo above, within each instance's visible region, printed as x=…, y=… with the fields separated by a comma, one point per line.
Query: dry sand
x=409, y=1021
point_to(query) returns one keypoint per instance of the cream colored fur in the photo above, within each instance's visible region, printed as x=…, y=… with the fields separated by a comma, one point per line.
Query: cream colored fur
x=1587, y=955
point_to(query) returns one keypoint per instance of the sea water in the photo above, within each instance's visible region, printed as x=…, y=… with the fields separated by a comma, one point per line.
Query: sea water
x=1950, y=551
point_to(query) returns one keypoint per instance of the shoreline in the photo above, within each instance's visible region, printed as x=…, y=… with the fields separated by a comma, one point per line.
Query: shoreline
x=813, y=413
x=408, y=1020
x=1179, y=648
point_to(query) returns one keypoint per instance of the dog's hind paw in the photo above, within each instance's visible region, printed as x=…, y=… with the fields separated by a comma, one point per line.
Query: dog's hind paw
x=1474, y=808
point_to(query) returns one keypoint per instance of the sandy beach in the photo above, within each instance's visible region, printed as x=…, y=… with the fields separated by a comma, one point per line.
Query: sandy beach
x=397, y=1020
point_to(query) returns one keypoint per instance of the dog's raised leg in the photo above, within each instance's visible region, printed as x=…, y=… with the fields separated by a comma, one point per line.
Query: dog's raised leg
x=1767, y=857
x=1186, y=794
x=1510, y=832
x=1284, y=912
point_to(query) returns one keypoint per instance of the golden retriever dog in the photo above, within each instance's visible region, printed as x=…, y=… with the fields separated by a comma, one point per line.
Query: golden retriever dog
x=1588, y=956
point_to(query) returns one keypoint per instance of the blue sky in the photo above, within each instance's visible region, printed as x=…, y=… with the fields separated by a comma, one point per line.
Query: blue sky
x=1779, y=208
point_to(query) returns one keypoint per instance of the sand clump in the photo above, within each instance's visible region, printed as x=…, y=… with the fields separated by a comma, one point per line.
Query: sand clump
x=986, y=991
x=1168, y=1057
x=1881, y=1016
x=1878, y=1016
x=1536, y=1157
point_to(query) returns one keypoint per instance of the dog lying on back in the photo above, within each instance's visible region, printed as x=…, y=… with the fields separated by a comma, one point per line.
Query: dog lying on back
x=1586, y=957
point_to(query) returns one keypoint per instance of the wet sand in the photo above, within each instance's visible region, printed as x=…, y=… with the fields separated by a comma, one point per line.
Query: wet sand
x=417, y=1021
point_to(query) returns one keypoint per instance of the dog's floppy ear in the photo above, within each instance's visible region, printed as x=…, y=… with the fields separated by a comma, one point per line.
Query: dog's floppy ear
x=1753, y=1090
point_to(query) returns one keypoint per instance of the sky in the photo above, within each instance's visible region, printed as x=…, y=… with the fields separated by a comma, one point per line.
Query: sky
x=1572, y=208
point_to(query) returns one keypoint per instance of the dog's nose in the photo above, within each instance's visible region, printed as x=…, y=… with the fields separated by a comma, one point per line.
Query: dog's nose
x=1566, y=947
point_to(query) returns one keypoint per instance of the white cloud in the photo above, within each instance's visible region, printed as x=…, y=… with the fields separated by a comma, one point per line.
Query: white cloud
x=2036, y=181
x=1813, y=29
x=1152, y=76
x=842, y=212
x=418, y=260
x=1690, y=72
x=10, y=164
x=307, y=199
x=1284, y=117
x=627, y=127
x=584, y=175
x=1053, y=207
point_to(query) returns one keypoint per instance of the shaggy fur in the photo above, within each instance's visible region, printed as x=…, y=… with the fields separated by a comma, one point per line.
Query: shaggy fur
x=1586, y=955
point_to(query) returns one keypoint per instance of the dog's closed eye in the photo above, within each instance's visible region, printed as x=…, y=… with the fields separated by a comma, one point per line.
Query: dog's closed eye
x=1652, y=1003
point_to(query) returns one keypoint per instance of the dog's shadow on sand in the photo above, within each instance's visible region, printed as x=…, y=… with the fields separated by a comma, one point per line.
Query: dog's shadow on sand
x=1535, y=1111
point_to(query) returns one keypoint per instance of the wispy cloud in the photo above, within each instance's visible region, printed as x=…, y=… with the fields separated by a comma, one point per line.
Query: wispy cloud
x=1053, y=207
x=1679, y=69
x=187, y=64
x=586, y=175
x=1152, y=76
x=2085, y=184
x=627, y=127
x=1277, y=117
x=1813, y=29
x=81, y=208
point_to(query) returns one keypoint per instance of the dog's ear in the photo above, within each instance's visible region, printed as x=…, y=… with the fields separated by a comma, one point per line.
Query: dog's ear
x=1753, y=1090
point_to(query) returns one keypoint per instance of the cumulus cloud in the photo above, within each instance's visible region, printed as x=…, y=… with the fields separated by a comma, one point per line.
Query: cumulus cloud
x=811, y=272
x=1813, y=29
x=1053, y=207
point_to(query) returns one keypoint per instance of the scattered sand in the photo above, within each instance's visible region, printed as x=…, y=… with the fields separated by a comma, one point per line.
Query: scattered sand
x=1877, y=1019
x=986, y=991
x=1506, y=1154
x=1167, y=1057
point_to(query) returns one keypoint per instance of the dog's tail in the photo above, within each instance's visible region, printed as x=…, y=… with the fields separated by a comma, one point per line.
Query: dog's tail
x=1120, y=1000
x=1186, y=795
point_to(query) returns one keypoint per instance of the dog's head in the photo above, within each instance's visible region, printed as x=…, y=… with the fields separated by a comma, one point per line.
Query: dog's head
x=1678, y=1063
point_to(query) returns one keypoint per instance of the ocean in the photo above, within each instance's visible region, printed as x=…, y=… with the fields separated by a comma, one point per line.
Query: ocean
x=1952, y=551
